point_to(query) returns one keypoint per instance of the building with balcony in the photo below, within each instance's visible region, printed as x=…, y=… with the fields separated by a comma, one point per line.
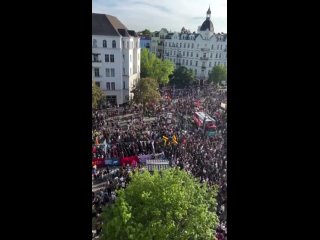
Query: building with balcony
x=157, y=42
x=115, y=58
x=199, y=51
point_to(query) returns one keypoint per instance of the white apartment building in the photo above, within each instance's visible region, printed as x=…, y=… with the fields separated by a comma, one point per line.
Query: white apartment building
x=115, y=58
x=199, y=51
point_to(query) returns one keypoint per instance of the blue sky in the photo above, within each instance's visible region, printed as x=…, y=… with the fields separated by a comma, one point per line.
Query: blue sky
x=171, y=14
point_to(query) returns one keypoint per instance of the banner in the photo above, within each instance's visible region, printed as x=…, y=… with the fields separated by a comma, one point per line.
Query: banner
x=133, y=160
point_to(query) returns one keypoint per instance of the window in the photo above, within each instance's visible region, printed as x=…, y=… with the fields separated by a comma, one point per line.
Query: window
x=221, y=47
x=218, y=47
x=169, y=44
x=180, y=45
x=97, y=84
x=192, y=45
x=191, y=54
x=190, y=62
x=204, y=55
x=106, y=58
x=196, y=63
x=124, y=71
x=209, y=64
x=113, y=87
x=182, y=61
x=210, y=55
x=108, y=86
x=114, y=44
x=195, y=72
x=95, y=58
x=212, y=47
x=127, y=44
x=197, y=55
x=174, y=53
x=165, y=44
x=108, y=72
x=183, y=53
x=111, y=57
x=124, y=85
x=96, y=72
x=186, y=62
x=94, y=43
x=177, y=45
x=123, y=57
x=188, y=45
x=104, y=43
x=184, y=45
x=215, y=63
x=187, y=54
x=217, y=55
x=112, y=72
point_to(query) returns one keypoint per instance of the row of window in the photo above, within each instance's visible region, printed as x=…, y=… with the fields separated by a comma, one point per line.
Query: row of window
x=110, y=72
x=187, y=62
x=108, y=57
x=191, y=54
x=185, y=45
x=111, y=85
x=104, y=43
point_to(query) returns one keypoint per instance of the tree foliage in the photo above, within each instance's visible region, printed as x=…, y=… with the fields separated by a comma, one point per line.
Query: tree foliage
x=146, y=91
x=167, y=205
x=96, y=95
x=182, y=77
x=154, y=67
x=146, y=32
x=218, y=74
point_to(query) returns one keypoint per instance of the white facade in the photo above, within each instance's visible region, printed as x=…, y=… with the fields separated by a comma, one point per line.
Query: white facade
x=116, y=68
x=157, y=42
x=199, y=51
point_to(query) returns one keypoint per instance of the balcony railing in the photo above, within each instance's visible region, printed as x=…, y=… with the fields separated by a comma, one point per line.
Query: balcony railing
x=204, y=58
x=205, y=49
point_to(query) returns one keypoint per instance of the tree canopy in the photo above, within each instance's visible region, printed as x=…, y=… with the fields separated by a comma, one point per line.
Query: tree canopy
x=218, y=74
x=146, y=91
x=167, y=205
x=96, y=95
x=146, y=32
x=154, y=67
x=182, y=77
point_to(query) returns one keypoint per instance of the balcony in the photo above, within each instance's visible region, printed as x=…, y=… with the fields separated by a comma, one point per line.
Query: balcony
x=205, y=49
x=204, y=58
x=96, y=61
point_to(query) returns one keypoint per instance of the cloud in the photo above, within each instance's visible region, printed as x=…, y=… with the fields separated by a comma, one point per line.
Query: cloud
x=173, y=15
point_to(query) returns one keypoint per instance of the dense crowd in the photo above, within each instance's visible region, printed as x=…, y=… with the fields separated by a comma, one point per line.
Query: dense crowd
x=124, y=132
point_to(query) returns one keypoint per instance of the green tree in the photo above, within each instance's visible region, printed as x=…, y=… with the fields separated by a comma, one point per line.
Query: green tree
x=96, y=95
x=167, y=205
x=154, y=67
x=182, y=77
x=217, y=74
x=146, y=32
x=146, y=91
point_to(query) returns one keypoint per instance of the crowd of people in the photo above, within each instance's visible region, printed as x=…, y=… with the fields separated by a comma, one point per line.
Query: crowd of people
x=123, y=132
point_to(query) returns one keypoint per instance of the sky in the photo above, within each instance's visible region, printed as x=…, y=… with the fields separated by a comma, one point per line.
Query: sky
x=170, y=14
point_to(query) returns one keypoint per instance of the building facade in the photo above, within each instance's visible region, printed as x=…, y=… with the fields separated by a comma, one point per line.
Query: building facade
x=145, y=42
x=115, y=58
x=199, y=51
x=157, y=42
